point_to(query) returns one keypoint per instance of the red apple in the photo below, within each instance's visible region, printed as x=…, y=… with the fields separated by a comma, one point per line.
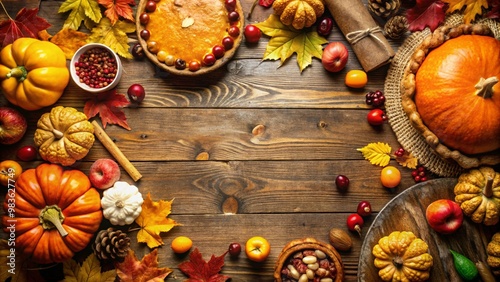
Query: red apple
x=104, y=173
x=335, y=57
x=13, y=126
x=444, y=216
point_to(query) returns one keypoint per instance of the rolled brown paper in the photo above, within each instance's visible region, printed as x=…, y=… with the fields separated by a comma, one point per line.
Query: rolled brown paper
x=365, y=36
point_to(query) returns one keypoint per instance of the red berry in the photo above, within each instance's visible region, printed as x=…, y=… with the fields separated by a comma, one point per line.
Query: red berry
x=218, y=51
x=145, y=34
x=355, y=222
x=209, y=59
x=230, y=5
x=150, y=6
x=364, y=208
x=342, y=182
x=144, y=18
x=234, y=31
x=234, y=249
x=233, y=16
x=376, y=117
x=194, y=65
x=252, y=33
x=228, y=42
x=324, y=28
x=375, y=98
x=27, y=153
x=136, y=93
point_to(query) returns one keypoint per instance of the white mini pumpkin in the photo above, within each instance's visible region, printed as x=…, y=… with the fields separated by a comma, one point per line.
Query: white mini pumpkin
x=122, y=203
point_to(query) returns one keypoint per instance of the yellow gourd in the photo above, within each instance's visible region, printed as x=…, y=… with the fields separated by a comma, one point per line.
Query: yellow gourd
x=478, y=194
x=64, y=135
x=401, y=256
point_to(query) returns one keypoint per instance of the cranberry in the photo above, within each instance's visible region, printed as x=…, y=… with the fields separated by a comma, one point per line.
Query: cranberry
x=96, y=68
x=27, y=153
x=364, y=208
x=342, y=182
x=324, y=28
x=234, y=31
x=234, y=249
x=228, y=43
x=399, y=152
x=233, y=16
x=375, y=98
x=194, y=65
x=218, y=51
x=209, y=59
x=230, y=5
x=136, y=93
x=145, y=34
x=252, y=33
x=144, y=18
x=150, y=6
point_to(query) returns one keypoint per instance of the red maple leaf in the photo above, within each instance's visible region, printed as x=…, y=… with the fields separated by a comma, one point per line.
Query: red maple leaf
x=494, y=13
x=426, y=13
x=108, y=105
x=266, y=3
x=26, y=24
x=133, y=270
x=200, y=271
x=118, y=8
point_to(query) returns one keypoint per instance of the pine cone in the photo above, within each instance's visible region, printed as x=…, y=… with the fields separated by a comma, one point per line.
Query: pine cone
x=396, y=26
x=111, y=244
x=384, y=8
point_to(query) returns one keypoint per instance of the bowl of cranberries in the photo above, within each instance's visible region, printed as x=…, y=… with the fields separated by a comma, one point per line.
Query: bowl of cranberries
x=96, y=68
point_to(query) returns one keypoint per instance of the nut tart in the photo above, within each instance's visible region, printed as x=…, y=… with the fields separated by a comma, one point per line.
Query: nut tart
x=186, y=37
x=451, y=94
x=308, y=256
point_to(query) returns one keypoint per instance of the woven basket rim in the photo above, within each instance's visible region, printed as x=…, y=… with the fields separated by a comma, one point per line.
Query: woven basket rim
x=409, y=137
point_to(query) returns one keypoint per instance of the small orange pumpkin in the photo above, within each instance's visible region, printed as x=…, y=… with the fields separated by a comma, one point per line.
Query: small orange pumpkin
x=458, y=94
x=54, y=213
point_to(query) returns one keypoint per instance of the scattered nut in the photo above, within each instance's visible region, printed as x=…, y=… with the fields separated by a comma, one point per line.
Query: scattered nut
x=340, y=239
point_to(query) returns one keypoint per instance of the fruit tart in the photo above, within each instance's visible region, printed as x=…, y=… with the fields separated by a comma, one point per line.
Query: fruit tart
x=451, y=94
x=186, y=37
x=308, y=259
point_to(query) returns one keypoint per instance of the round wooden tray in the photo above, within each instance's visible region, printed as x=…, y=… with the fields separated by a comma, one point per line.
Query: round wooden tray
x=406, y=212
x=186, y=72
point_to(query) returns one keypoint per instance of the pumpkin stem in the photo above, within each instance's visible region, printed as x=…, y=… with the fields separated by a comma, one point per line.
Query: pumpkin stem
x=57, y=134
x=52, y=217
x=119, y=204
x=485, y=87
x=397, y=261
x=19, y=73
x=488, y=188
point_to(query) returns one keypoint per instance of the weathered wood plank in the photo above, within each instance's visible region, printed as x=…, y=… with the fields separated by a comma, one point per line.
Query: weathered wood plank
x=226, y=134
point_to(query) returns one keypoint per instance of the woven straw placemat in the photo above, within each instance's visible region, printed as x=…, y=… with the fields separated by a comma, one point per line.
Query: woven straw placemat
x=409, y=138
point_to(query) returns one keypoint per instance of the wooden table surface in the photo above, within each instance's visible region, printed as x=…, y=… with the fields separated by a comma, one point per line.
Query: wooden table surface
x=193, y=140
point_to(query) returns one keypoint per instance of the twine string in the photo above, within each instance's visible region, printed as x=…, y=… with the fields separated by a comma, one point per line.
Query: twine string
x=355, y=36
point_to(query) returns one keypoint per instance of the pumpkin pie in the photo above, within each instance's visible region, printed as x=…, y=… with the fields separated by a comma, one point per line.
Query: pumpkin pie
x=187, y=37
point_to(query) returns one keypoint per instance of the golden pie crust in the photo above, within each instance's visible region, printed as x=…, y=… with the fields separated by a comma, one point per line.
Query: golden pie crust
x=434, y=40
x=184, y=31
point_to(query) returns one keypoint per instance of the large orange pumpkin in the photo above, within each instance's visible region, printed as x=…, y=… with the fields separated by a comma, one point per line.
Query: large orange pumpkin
x=458, y=94
x=54, y=212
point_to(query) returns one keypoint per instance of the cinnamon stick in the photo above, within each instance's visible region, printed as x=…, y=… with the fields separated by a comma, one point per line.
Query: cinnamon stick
x=365, y=36
x=116, y=152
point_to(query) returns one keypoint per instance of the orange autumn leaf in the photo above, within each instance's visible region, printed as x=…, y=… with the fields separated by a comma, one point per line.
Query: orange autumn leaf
x=118, y=8
x=69, y=40
x=153, y=220
x=133, y=270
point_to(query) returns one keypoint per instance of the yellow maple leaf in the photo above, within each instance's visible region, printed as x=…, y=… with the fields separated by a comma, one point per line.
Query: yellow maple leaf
x=153, y=220
x=469, y=8
x=286, y=41
x=113, y=36
x=69, y=40
x=81, y=10
x=15, y=266
x=377, y=153
x=90, y=270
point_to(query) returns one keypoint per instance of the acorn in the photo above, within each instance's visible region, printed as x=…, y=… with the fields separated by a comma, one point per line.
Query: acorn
x=340, y=240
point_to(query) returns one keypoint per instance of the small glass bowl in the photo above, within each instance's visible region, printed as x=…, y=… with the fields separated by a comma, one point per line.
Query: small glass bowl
x=86, y=87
